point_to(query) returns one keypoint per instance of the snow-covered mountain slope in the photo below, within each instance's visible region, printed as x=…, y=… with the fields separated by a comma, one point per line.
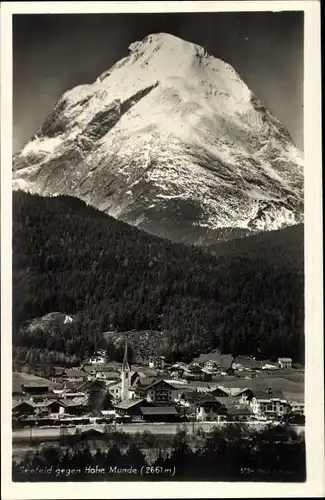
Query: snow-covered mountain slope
x=172, y=140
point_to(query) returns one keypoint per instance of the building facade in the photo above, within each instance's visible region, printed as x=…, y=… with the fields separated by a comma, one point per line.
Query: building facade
x=285, y=363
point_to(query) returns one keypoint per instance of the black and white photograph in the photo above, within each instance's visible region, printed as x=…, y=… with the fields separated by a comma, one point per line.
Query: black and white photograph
x=159, y=226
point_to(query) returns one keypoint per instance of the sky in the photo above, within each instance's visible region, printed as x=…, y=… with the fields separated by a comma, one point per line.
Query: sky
x=55, y=52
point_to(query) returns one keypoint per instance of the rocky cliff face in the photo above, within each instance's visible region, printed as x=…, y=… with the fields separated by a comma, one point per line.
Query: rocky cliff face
x=172, y=140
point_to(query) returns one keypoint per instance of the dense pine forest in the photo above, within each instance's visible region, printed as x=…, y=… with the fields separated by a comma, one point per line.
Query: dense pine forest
x=72, y=258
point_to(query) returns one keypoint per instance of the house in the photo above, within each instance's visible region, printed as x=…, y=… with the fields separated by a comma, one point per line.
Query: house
x=157, y=362
x=27, y=408
x=73, y=407
x=68, y=386
x=176, y=373
x=188, y=398
x=219, y=392
x=155, y=390
x=139, y=386
x=76, y=406
x=239, y=413
x=205, y=388
x=74, y=375
x=32, y=388
x=285, y=363
x=238, y=366
x=47, y=397
x=57, y=374
x=210, y=364
x=234, y=410
x=109, y=414
x=56, y=407
x=159, y=413
x=42, y=408
x=180, y=365
x=106, y=373
x=97, y=359
x=268, y=402
x=297, y=407
x=131, y=408
x=209, y=408
x=23, y=408
x=244, y=395
x=115, y=390
x=197, y=373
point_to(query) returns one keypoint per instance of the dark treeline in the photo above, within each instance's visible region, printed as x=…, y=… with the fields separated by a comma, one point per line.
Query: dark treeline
x=71, y=258
x=232, y=453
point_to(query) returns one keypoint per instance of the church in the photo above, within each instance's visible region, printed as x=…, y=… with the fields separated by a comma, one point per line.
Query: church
x=135, y=385
x=121, y=390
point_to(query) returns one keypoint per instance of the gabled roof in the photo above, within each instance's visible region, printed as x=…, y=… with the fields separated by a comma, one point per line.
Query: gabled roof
x=207, y=399
x=37, y=385
x=41, y=404
x=48, y=396
x=128, y=403
x=241, y=391
x=113, y=386
x=70, y=403
x=92, y=433
x=231, y=391
x=80, y=401
x=146, y=381
x=70, y=385
x=58, y=401
x=106, y=369
x=284, y=359
x=158, y=382
x=159, y=410
x=19, y=403
x=83, y=386
x=220, y=389
x=58, y=370
x=239, y=410
x=227, y=401
x=88, y=368
x=74, y=394
x=191, y=395
x=265, y=395
x=74, y=372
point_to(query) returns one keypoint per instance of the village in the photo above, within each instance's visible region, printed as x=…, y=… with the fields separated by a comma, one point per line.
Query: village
x=156, y=393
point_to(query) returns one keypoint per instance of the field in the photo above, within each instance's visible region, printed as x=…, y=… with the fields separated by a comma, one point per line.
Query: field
x=26, y=378
x=293, y=390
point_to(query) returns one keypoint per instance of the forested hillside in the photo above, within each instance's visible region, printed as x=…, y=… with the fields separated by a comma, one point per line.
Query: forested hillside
x=272, y=246
x=72, y=258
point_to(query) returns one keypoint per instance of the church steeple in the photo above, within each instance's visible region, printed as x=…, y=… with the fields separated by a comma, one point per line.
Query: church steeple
x=125, y=364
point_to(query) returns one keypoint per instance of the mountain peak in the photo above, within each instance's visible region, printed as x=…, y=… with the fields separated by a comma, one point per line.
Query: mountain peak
x=165, y=54
x=157, y=38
